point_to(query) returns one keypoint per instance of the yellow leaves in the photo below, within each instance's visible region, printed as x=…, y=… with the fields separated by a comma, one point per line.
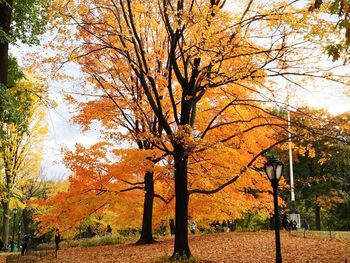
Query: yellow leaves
x=322, y=161
x=139, y=7
x=312, y=153
x=82, y=9
x=57, y=187
x=22, y=146
x=15, y=203
x=331, y=201
x=307, y=150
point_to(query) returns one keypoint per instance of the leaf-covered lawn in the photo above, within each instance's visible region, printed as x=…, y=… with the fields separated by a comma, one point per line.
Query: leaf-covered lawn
x=225, y=247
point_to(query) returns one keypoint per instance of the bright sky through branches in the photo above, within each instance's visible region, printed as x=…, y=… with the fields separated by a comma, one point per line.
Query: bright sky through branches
x=64, y=134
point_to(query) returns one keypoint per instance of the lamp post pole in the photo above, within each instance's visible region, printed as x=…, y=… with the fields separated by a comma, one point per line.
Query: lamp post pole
x=13, y=229
x=273, y=169
x=274, y=184
x=19, y=233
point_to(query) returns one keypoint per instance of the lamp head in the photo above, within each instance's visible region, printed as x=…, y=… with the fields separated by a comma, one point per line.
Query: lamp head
x=273, y=169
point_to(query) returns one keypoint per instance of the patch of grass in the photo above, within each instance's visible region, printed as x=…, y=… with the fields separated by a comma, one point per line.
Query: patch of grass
x=89, y=242
x=100, y=241
x=168, y=259
x=325, y=234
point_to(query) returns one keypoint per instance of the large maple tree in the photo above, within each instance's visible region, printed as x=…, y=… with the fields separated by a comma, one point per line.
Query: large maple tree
x=202, y=75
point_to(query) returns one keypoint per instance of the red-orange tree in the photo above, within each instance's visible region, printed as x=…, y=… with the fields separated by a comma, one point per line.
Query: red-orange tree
x=97, y=186
x=200, y=73
x=127, y=119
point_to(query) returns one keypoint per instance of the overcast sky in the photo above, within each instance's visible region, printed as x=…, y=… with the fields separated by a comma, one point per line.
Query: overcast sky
x=62, y=133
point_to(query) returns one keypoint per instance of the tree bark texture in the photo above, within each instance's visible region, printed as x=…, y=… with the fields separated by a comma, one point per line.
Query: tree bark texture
x=26, y=216
x=5, y=21
x=318, y=217
x=146, y=232
x=5, y=223
x=181, y=247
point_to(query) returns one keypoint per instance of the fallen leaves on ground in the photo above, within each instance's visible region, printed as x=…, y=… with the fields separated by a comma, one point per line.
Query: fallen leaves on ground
x=243, y=247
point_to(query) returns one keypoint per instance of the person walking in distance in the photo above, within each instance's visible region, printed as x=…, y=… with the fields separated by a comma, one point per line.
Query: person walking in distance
x=109, y=230
x=25, y=244
x=57, y=238
x=193, y=227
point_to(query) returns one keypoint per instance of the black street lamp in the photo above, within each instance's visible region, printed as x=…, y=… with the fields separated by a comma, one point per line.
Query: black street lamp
x=274, y=169
x=19, y=233
x=15, y=210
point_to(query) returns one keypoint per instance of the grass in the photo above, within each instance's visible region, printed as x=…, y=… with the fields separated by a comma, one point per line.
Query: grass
x=90, y=242
x=168, y=259
x=325, y=234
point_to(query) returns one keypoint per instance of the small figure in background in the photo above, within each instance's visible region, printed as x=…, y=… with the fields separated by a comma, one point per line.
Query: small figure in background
x=109, y=230
x=163, y=228
x=224, y=225
x=217, y=226
x=57, y=238
x=25, y=244
x=172, y=226
x=305, y=224
x=290, y=225
x=193, y=227
x=228, y=225
x=285, y=222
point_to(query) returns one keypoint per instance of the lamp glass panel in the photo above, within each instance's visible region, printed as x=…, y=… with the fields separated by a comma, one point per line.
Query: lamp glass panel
x=269, y=171
x=279, y=170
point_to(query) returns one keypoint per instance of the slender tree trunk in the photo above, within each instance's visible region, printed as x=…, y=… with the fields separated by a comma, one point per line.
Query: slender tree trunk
x=318, y=217
x=146, y=232
x=5, y=223
x=5, y=21
x=26, y=220
x=181, y=248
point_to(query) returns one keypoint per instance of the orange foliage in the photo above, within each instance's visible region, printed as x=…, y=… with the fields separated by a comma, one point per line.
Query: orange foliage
x=139, y=107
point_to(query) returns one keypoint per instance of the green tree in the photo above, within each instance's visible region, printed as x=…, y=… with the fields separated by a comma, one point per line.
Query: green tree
x=321, y=164
x=20, y=144
x=31, y=185
x=8, y=104
x=19, y=21
x=340, y=12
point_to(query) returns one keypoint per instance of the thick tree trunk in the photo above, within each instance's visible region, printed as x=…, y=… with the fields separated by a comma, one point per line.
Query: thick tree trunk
x=318, y=217
x=5, y=21
x=181, y=248
x=5, y=223
x=146, y=232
